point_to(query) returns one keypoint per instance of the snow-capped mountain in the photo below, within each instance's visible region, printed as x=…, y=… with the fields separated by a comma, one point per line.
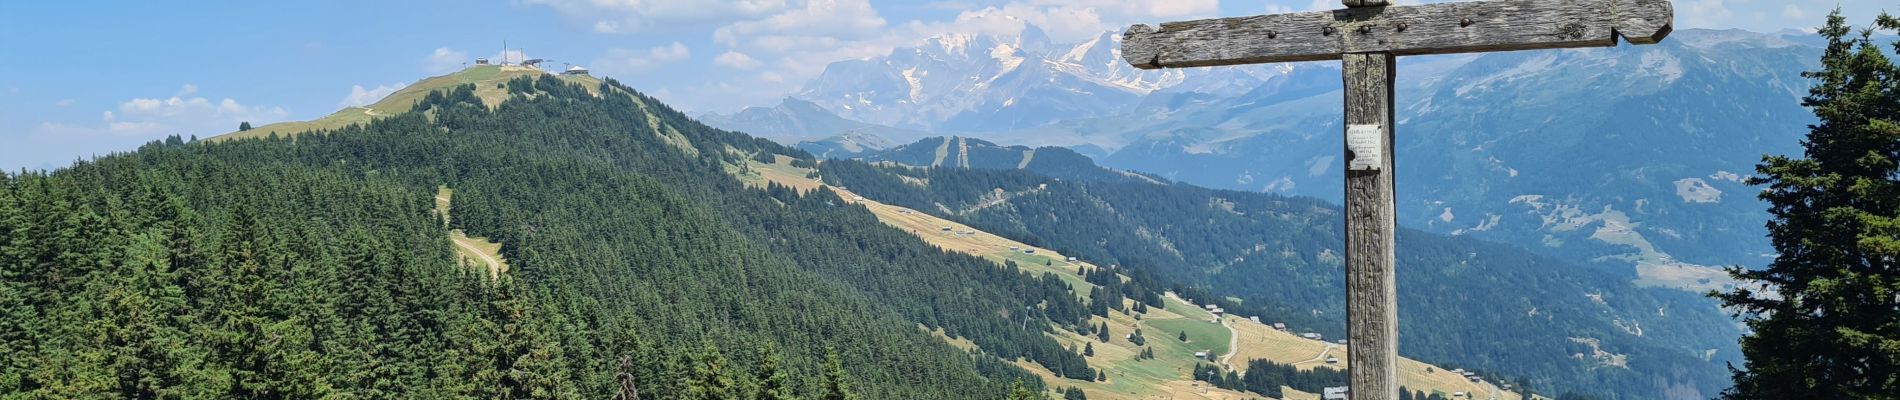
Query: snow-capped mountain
x=991, y=83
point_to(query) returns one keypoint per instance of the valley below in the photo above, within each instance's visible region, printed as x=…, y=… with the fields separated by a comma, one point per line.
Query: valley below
x=1230, y=341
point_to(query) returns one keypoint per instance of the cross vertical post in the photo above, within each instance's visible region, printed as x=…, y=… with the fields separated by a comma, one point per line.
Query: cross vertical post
x=1372, y=317
x=1372, y=308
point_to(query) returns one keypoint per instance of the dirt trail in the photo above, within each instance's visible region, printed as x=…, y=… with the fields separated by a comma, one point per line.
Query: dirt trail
x=1321, y=357
x=467, y=244
x=494, y=266
x=1233, y=345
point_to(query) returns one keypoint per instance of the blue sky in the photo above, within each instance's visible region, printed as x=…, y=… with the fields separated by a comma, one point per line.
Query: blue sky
x=83, y=78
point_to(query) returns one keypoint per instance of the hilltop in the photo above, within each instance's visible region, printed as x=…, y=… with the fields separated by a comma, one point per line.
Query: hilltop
x=488, y=81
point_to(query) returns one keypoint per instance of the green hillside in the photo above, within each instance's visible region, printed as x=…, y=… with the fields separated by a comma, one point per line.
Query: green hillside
x=486, y=79
x=631, y=258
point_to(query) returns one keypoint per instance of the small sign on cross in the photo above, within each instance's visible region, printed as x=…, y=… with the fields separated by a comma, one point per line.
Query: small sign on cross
x=1367, y=36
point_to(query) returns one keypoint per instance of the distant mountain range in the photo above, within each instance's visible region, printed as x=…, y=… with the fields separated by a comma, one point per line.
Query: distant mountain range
x=984, y=83
x=1631, y=156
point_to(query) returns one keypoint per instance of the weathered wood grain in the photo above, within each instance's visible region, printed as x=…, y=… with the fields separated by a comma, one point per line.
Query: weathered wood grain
x=1443, y=28
x=1372, y=317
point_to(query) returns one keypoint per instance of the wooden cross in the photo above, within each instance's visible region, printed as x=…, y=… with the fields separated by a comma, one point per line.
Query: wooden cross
x=1367, y=36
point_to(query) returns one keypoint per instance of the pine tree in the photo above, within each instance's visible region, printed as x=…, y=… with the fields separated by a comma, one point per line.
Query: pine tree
x=836, y=383
x=1088, y=349
x=1074, y=393
x=774, y=383
x=244, y=126
x=710, y=379
x=1103, y=332
x=1017, y=391
x=1183, y=336
x=1824, y=319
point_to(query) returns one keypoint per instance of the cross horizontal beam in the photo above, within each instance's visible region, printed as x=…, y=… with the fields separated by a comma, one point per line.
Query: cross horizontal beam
x=1443, y=28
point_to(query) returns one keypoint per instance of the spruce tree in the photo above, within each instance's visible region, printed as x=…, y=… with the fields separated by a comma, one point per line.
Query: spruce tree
x=774, y=383
x=1074, y=393
x=836, y=385
x=1824, y=317
x=710, y=379
x=1017, y=391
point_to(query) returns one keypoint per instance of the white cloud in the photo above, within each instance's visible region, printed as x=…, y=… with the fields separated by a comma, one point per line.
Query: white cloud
x=628, y=16
x=444, y=59
x=619, y=60
x=736, y=60
x=136, y=121
x=1706, y=13
x=151, y=118
x=675, y=52
x=188, y=90
x=816, y=18
x=63, y=103
x=1076, y=20
x=1791, y=11
x=360, y=97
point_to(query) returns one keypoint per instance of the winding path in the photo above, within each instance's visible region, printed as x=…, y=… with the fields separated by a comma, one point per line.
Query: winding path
x=1233, y=344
